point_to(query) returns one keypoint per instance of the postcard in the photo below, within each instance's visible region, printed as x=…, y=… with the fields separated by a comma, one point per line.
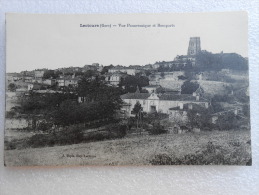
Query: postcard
x=127, y=89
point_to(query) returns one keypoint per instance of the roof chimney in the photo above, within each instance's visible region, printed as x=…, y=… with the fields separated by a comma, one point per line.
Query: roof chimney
x=197, y=98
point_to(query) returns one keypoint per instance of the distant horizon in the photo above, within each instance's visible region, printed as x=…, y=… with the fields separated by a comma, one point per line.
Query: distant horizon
x=37, y=41
x=112, y=64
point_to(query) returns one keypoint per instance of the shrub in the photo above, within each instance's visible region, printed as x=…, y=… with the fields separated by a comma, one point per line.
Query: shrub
x=212, y=155
x=44, y=126
x=162, y=159
x=10, y=114
x=157, y=129
x=70, y=135
x=73, y=135
x=117, y=130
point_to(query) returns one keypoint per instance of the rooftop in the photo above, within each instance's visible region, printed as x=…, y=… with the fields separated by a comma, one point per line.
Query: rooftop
x=135, y=96
x=172, y=97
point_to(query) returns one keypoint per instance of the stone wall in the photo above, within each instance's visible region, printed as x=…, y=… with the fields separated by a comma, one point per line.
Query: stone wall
x=16, y=123
x=214, y=87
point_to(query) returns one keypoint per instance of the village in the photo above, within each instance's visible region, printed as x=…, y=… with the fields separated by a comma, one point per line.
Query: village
x=193, y=93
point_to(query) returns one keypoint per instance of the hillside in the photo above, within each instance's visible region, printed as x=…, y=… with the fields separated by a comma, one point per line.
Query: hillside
x=217, y=147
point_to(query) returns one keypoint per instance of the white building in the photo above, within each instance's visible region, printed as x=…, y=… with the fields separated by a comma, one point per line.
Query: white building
x=160, y=103
x=129, y=71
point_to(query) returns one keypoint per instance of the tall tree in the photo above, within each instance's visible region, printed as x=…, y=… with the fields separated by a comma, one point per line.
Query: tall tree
x=189, y=87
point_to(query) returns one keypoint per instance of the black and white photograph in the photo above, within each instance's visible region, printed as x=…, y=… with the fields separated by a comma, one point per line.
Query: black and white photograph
x=127, y=89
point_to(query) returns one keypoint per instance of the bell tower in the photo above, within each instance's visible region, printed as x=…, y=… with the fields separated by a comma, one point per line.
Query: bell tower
x=194, y=46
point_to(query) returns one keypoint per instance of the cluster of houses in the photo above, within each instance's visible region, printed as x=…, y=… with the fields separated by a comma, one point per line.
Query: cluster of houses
x=36, y=80
x=175, y=105
x=170, y=102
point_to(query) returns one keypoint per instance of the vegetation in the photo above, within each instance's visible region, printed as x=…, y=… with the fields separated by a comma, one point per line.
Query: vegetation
x=199, y=117
x=72, y=134
x=12, y=87
x=132, y=82
x=226, y=147
x=101, y=101
x=137, y=108
x=189, y=87
x=209, y=61
x=51, y=74
x=211, y=155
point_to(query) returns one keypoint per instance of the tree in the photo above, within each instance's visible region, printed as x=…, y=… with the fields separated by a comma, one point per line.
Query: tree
x=148, y=72
x=137, y=108
x=90, y=73
x=228, y=121
x=199, y=117
x=207, y=61
x=11, y=87
x=160, y=90
x=49, y=74
x=132, y=82
x=106, y=69
x=189, y=87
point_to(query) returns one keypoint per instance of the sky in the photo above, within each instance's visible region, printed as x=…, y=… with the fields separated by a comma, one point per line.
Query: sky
x=53, y=41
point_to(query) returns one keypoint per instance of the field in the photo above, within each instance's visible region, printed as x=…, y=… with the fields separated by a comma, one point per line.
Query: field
x=217, y=147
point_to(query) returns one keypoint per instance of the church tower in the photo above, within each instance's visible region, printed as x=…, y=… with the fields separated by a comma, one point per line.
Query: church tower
x=194, y=46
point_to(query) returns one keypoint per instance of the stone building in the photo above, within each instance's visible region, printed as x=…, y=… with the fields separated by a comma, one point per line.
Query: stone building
x=39, y=73
x=115, y=78
x=159, y=103
x=194, y=46
x=129, y=71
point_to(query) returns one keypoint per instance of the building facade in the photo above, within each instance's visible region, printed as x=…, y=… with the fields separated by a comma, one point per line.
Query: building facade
x=160, y=103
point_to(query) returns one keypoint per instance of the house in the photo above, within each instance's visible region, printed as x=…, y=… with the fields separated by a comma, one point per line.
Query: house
x=37, y=80
x=28, y=79
x=34, y=86
x=115, y=78
x=39, y=73
x=129, y=71
x=155, y=66
x=72, y=82
x=179, y=113
x=49, y=82
x=160, y=103
x=60, y=82
x=13, y=77
x=67, y=81
x=93, y=67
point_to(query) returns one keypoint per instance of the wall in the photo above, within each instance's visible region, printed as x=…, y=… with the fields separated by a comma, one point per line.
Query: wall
x=161, y=105
x=16, y=123
x=211, y=87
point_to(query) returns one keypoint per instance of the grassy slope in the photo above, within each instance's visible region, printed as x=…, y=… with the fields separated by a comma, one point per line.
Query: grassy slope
x=131, y=151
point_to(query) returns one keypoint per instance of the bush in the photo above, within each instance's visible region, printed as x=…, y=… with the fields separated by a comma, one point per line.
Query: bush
x=10, y=114
x=117, y=130
x=70, y=135
x=44, y=126
x=212, y=155
x=157, y=129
